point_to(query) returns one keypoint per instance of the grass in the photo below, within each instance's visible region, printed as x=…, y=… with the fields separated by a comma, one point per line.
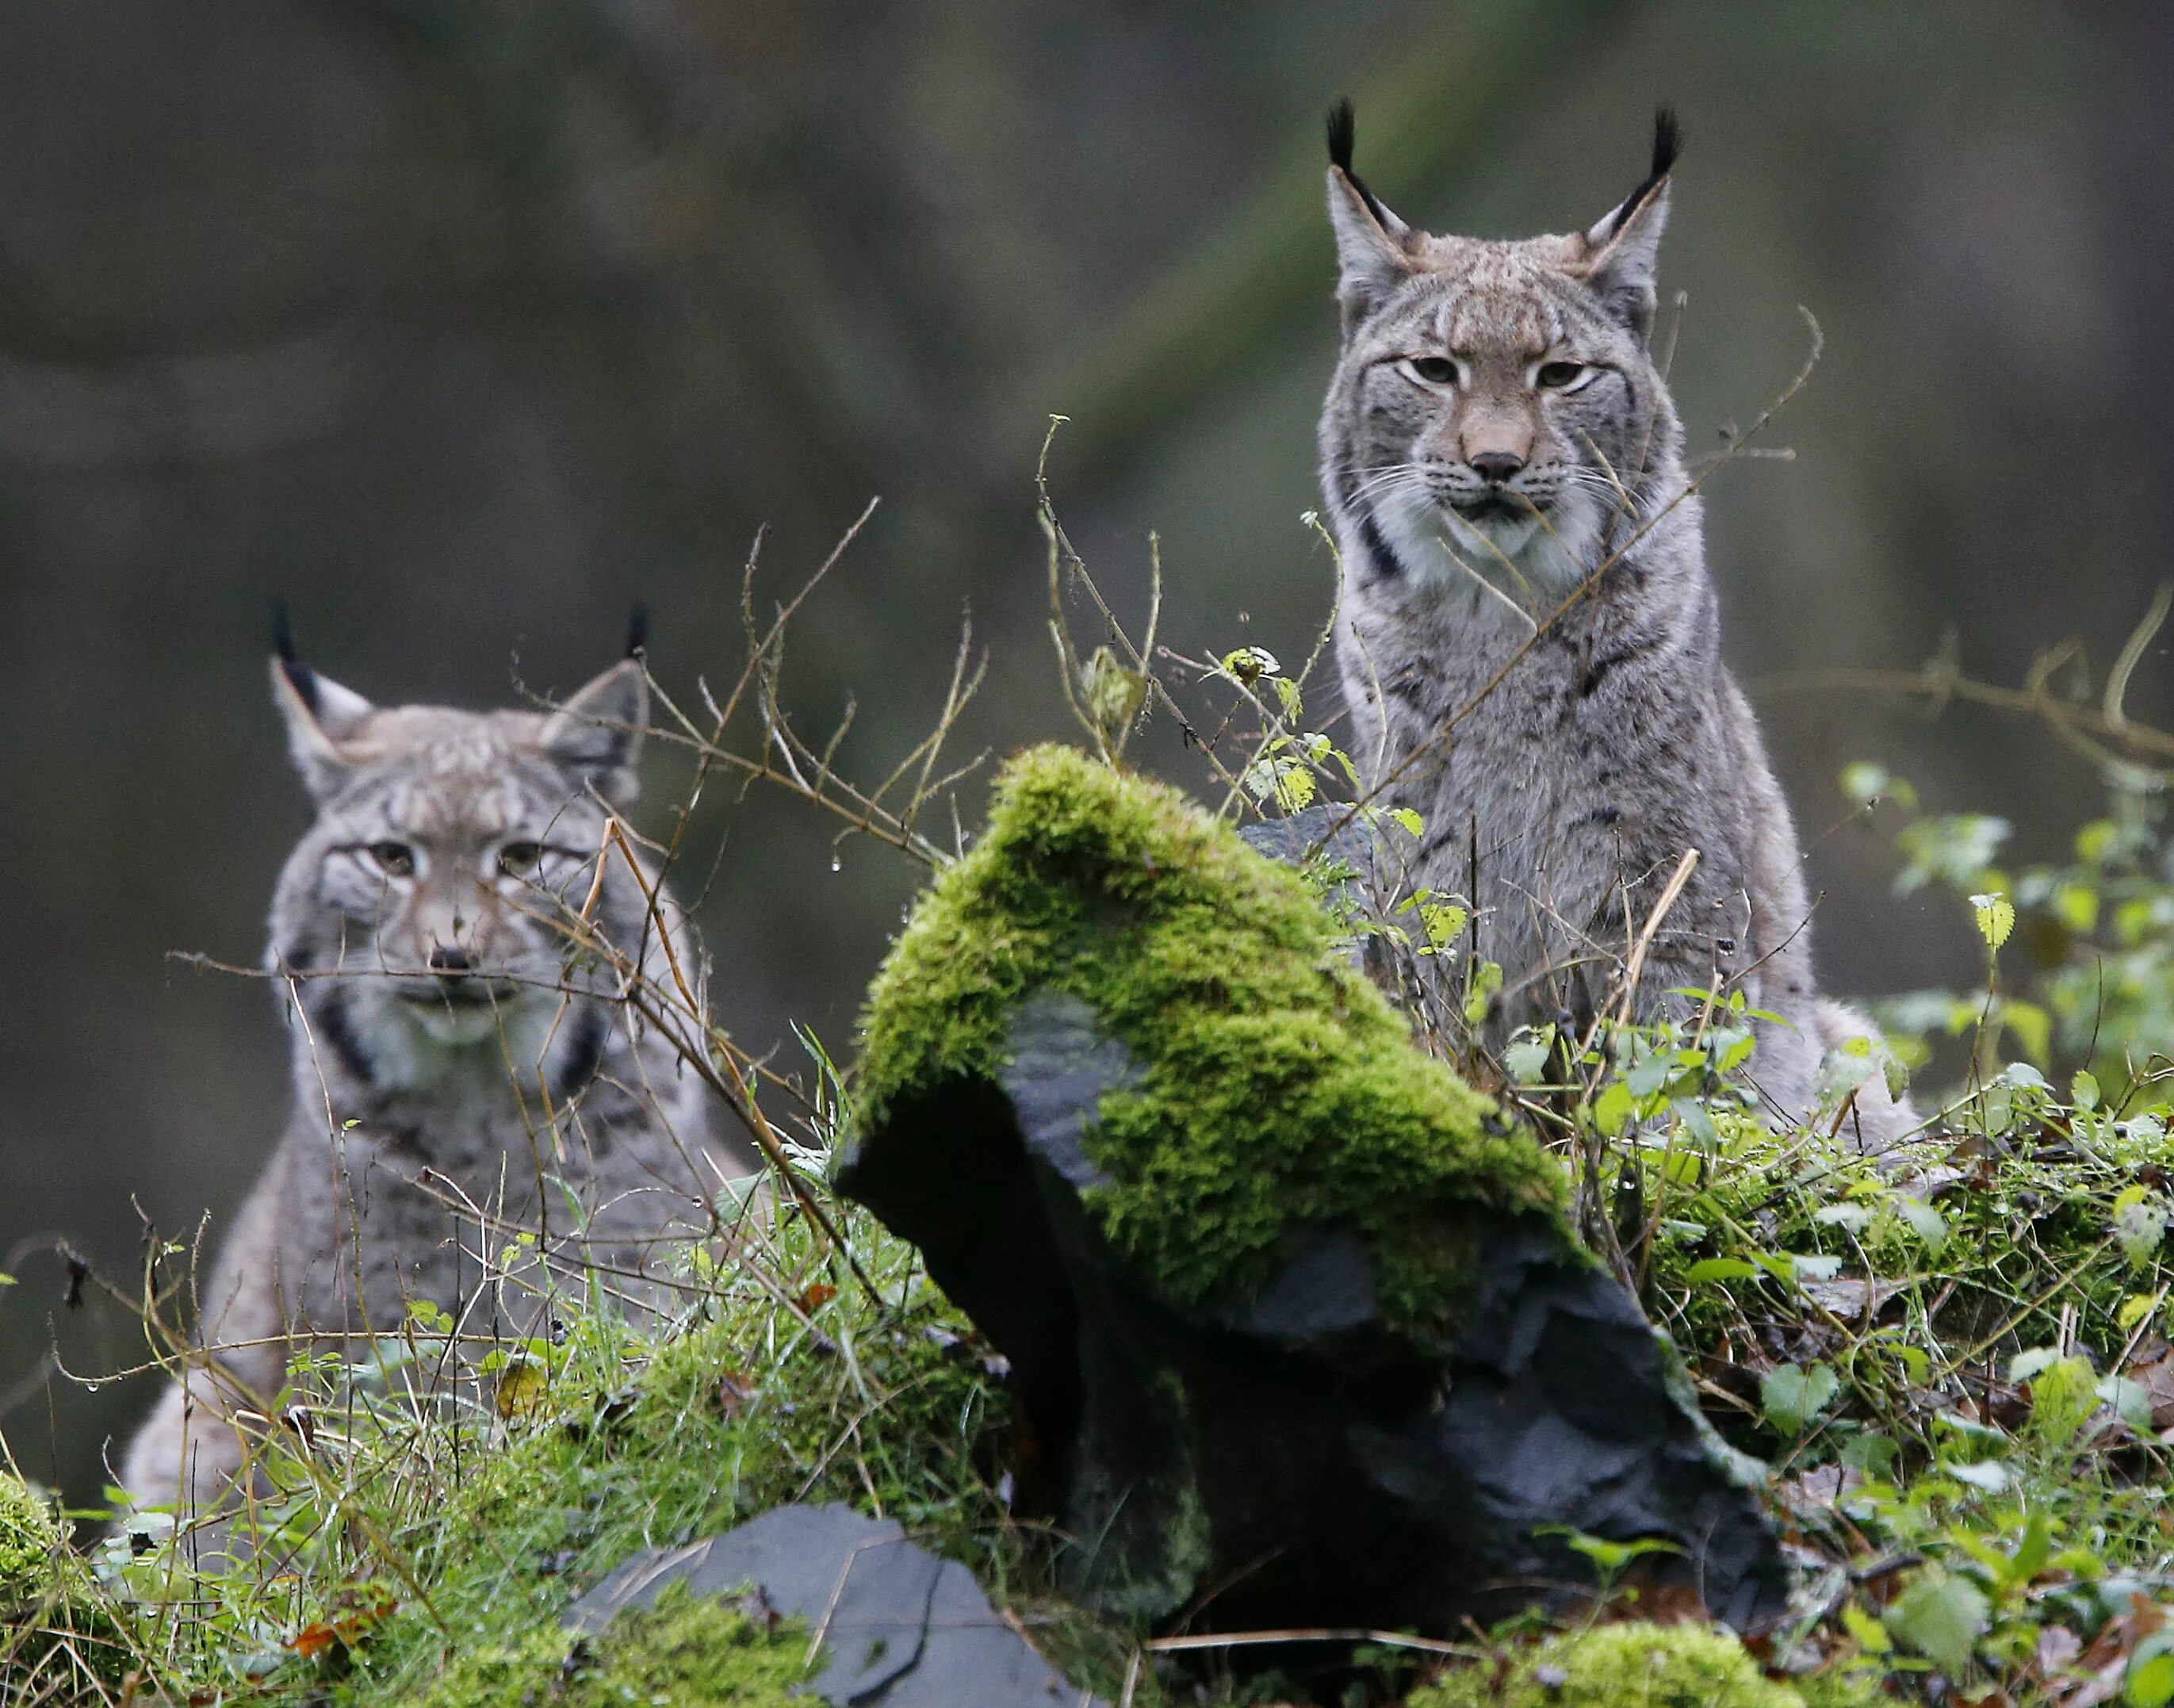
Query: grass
x=413, y=1546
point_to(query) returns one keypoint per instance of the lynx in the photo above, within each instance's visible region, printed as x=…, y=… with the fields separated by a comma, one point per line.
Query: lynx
x=463, y=1074
x=1529, y=639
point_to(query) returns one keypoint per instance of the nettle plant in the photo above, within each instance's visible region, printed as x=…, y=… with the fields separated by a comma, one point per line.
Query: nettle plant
x=2080, y=952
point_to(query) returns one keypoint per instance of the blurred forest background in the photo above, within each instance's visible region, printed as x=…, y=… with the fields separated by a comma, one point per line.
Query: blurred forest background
x=459, y=324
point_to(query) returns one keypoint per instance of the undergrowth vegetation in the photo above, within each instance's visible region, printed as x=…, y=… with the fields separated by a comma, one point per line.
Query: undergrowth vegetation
x=1957, y=1357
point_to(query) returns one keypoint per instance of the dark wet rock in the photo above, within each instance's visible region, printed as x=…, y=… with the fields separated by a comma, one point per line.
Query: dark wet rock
x=1332, y=1469
x=901, y=1627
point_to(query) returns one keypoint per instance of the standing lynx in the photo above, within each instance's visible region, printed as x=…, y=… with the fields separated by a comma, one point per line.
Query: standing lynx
x=1498, y=449
x=462, y=1073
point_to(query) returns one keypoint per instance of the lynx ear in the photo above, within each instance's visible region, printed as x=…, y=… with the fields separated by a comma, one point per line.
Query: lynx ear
x=597, y=733
x=1369, y=239
x=1623, y=251
x=319, y=715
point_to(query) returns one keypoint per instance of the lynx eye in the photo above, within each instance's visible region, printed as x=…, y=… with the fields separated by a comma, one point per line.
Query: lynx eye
x=1558, y=376
x=1435, y=370
x=519, y=859
x=394, y=859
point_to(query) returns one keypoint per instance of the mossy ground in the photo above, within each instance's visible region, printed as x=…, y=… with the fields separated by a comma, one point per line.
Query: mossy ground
x=1635, y=1666
x=30, y=1542
x=686, y=1653
x=58, y=1641
x=1280, y=1086
x=429, y=1559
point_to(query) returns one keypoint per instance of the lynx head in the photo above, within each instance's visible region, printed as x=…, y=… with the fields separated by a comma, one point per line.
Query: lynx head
x=1495, y=403
x=423, y=917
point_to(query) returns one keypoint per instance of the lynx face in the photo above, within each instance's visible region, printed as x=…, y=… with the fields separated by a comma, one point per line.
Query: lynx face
x=424, y=918
x=1495, y=407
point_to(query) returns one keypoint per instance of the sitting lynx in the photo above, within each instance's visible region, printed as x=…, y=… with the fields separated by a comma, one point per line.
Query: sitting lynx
x=1530, y=642
x=462, y=1075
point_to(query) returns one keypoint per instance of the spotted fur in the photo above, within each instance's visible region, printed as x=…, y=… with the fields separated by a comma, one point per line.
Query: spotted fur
x=1498, y=446
x=463, y=1071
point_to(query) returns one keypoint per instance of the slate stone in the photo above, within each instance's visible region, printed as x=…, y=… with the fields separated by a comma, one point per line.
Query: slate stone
x=903, y=1629
x=1294, y=1454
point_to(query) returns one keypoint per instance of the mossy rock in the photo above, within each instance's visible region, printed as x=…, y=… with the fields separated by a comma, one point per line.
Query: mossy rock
x=1277, y=1088
x=1638, y=1666
x=1291, y=1309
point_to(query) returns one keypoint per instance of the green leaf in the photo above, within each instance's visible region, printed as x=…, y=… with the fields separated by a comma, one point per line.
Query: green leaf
x=1486, y=980
x=1871, y=1636
x=1112, y=694
x=1940, y=1617
x=1441, y=921
x=2139, y=1226
x=1525, y=1054
x=1927, y=1223
x=2084, y=1090
x=2131, y=1401
x=2133, y=1310
x=2031, y=1553
x=1792, y=1397
x=1700, y=1124
x=1407, y=820
x=1863, y=782
x=1995, y=917
x=2148, y=1683
x=2063, y=1394
x=1611, y=1110
x=1719, y=1269
x=1249, y=664
x=2078, y=906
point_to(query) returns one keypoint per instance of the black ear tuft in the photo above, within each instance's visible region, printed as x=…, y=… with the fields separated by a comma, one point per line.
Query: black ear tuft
x=1668, y=142
x=637, y=629
x=1343, y=134
x=304, y=678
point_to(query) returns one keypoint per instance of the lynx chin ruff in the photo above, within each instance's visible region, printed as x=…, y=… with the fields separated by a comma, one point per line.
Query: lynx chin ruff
x=461, y=1075
x=1498, y=443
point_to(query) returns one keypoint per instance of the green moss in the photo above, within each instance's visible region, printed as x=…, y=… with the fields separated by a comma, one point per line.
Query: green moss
x=1279, y=1086
x=31, y=1550
x=58, y=1641
x=1636, y=1666
x=687, y=1652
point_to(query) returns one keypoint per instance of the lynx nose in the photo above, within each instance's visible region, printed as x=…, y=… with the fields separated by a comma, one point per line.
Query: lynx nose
x=450, y=959
x=1496, y=466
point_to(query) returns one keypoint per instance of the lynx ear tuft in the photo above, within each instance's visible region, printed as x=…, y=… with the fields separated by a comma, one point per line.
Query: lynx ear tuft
x=1343, y=134
x=1667, y=144
x=1369, y=239
x=1623, y=250
x=637, y=630
x=320, y=715
x=596, y=734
